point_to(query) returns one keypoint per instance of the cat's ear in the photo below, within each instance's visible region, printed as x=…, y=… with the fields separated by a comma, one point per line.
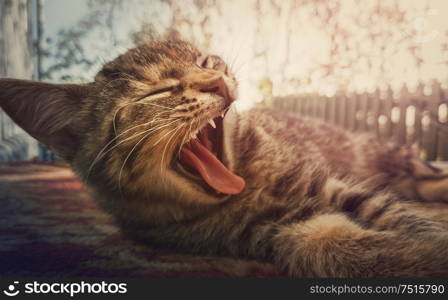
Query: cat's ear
x=46, y=111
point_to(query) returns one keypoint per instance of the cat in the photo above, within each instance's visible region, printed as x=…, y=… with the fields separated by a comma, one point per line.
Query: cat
x=156, y=141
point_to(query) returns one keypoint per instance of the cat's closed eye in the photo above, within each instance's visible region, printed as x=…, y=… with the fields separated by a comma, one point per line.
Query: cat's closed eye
x=159, y=91
x=163, y=88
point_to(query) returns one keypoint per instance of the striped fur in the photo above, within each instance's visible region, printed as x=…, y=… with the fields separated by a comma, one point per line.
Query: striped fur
x=318, y=201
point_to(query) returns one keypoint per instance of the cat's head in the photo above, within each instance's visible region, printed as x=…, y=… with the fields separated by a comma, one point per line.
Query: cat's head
x=150, y=127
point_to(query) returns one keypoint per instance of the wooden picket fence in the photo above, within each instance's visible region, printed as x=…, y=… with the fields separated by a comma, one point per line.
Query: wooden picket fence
x=419, y=117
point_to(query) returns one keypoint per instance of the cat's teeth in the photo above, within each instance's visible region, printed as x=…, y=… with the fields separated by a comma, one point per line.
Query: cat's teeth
x=194, y=135
x=212, y=123
x=222, y=115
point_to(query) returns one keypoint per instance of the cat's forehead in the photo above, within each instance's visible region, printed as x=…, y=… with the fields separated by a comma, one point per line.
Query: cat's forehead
x=174, y=50
x=156, y=58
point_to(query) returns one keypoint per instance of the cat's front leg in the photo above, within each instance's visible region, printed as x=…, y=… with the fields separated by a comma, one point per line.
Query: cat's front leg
x=331, y=245
x=372, y=235
x=378, y=210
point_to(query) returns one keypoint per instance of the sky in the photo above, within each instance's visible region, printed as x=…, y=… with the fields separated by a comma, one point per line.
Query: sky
x=61, y=13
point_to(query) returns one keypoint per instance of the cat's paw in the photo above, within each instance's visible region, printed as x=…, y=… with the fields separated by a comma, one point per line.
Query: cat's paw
x=433, y=189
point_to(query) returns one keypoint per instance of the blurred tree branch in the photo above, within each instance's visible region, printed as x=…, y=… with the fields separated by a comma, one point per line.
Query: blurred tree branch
x=359, y=39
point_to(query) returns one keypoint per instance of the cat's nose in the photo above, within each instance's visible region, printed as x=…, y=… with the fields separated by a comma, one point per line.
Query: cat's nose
x=212, y=82
x=219, y=86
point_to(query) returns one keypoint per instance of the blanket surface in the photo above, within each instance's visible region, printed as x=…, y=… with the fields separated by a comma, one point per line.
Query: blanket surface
x=50, y=227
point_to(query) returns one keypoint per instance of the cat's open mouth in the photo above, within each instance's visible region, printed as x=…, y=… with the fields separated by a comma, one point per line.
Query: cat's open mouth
x=201, y=158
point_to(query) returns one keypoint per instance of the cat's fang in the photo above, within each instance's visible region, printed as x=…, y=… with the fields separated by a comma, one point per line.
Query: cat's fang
x=212, y=123
x=222, y=115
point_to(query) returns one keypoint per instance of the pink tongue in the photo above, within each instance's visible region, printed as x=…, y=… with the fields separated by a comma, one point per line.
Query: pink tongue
x=211, y=169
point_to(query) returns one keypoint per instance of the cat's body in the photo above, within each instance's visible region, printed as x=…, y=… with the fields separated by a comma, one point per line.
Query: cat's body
x=302, y=174
x=312, y=199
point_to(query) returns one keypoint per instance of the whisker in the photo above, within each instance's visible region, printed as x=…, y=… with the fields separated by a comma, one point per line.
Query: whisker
x=239, y=68
x=115, y=116
x=110, y=142
x=126, y=159
x=234, y=59
x=101, y=154
x=132, y=150
x=188, y=134
x=166, y=146
x=137, y=134
x=123, y=106
x=160, y=139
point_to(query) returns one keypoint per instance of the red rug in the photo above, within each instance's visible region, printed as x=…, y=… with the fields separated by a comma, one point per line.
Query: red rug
x=49, y=227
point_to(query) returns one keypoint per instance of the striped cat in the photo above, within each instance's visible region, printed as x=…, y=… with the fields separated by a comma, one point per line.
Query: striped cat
x=154, y=139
